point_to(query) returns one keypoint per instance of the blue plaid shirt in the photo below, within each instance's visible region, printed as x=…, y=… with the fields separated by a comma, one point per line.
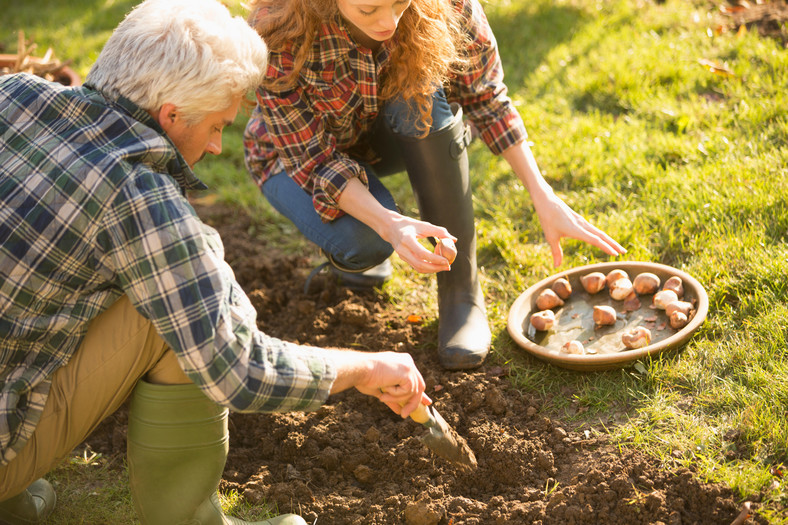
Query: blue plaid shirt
x=92, y=207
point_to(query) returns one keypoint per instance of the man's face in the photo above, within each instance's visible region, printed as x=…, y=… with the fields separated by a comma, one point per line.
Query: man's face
x=372, y=19
x=195, y=140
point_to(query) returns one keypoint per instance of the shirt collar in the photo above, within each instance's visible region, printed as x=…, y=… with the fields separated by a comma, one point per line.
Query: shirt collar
x=177, y=166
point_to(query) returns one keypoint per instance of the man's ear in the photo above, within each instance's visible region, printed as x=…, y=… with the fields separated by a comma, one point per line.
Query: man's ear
x=168, y=116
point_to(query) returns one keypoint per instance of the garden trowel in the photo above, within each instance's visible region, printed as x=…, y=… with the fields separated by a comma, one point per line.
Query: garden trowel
x=442, y=439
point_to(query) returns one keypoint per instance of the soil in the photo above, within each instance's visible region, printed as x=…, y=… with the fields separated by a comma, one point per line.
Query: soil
x=355, y=462
x=768, y=18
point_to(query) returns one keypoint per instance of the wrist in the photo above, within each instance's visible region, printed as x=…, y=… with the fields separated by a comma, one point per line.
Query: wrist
x=353, y=368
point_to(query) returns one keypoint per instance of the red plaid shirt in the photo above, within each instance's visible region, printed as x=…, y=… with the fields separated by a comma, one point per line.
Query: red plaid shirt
x=312, y=129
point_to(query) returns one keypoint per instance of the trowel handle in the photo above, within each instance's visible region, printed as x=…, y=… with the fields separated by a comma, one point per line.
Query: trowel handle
x=420, y=415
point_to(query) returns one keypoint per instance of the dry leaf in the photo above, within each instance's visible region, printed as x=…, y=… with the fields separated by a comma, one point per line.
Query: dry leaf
x=730, y=9
x=716, y=68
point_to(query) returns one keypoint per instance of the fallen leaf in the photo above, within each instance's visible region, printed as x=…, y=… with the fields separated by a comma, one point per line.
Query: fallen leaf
x=730, y=9
x=716, y=68
x=414, y=319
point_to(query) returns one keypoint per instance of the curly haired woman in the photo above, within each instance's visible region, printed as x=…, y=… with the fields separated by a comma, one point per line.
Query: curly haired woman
x=359, y=89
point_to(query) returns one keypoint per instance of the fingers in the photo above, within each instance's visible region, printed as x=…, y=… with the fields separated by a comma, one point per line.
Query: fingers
x=558, y=253
x=404, y=406
x=397, y=383
x=601, y=240
x=577, y=227
x=420, y=258
x=424, y=261
x=408, y=245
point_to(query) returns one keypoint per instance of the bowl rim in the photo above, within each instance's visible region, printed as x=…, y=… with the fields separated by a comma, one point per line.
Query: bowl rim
x=523, y=306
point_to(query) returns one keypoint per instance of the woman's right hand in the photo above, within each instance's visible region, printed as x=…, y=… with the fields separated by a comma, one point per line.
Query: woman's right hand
x=405, y=234
x=402, y=232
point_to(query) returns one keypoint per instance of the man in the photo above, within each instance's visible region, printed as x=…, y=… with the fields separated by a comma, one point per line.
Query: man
x=111, y=286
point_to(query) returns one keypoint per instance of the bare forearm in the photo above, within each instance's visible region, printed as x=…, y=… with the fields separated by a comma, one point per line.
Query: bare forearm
x=402, y=232
x=523, y=164
x=356, y=200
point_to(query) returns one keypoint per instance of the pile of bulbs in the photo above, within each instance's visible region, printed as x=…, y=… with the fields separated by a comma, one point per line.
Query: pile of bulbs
x=669, y=298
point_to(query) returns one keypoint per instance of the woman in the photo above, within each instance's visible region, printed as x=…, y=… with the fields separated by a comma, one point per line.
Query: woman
x=356, y=88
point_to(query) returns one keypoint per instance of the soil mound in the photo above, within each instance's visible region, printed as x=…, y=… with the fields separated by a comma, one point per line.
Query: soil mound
x=355, y=462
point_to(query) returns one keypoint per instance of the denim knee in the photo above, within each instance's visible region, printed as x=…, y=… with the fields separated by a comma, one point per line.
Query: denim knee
x=367, y=249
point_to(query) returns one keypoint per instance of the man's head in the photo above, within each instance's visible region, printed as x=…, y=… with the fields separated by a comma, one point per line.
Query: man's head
x=191, y=54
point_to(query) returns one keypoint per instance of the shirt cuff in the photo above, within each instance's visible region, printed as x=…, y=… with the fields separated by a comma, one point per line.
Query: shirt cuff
x=504, y=133
x=330, y=181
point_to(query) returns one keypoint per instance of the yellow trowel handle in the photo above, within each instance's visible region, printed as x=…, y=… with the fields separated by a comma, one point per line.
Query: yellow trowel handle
x=420, y=415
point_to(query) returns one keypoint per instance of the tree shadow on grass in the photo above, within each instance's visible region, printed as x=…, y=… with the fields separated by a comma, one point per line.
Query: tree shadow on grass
x=527, y=35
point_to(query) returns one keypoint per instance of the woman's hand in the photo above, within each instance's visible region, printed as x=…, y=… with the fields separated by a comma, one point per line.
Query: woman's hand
x=558, y=220
x=402, y=232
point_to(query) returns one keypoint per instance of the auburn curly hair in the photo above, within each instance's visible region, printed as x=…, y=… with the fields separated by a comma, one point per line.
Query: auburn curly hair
x=430, y=45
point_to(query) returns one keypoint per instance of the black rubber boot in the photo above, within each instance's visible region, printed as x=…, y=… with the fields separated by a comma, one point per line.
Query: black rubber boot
x=438, y=171
x=32, y=506
x=366, y=278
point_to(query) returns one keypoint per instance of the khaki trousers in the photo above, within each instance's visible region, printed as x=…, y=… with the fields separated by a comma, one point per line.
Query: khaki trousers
x=119, y=349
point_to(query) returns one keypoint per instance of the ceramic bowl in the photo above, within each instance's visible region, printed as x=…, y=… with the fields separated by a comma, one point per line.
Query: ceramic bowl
x=574, y=320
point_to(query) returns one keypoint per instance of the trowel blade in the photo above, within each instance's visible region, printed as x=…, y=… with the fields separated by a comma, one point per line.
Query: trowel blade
x=445, y=442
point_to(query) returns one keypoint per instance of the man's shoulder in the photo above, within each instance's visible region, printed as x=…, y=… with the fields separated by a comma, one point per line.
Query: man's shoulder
x=19, y=89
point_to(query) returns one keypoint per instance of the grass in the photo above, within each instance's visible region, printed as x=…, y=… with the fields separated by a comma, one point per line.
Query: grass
x=683, y=166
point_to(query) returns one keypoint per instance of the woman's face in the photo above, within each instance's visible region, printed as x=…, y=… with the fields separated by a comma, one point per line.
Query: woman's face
x=374, y=20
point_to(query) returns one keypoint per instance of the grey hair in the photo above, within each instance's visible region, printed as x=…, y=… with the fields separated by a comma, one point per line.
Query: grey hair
x=190, y=53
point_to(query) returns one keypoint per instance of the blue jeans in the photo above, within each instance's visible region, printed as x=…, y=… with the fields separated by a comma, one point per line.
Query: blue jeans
x=351, y=243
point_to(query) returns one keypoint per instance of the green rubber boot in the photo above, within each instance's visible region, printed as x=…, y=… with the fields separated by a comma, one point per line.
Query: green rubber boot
x=32, y=506
x=177, y=447
x=438, y=171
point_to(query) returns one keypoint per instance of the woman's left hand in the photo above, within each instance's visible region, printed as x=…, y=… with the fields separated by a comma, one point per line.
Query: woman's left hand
x=558, y=220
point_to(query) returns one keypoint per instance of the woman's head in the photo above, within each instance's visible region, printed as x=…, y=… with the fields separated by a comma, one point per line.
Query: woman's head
x=372, y=21
x=190, y=53
x=430, y=42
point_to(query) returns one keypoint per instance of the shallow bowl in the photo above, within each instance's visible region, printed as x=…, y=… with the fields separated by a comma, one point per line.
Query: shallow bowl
x=574, y=320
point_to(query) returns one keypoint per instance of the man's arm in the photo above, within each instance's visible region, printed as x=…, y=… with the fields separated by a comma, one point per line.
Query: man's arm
x=375, y=373
x=172, y=268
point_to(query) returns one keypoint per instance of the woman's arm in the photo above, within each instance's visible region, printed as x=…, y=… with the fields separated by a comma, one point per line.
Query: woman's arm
x=403, y=233
x=558, y=220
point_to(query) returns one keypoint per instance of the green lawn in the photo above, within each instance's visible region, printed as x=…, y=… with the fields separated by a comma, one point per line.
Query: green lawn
x=683, y=165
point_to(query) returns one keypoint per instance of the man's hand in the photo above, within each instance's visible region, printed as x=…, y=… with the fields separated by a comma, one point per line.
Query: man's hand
x=391, y=377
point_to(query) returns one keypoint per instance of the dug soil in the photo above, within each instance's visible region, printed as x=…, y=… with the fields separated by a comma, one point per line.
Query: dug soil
x=356, y=462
